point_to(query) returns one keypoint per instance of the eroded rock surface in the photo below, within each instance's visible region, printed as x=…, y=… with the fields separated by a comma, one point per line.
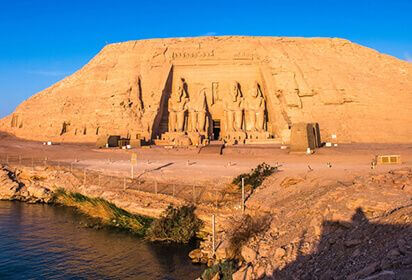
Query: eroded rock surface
x=11, y=188
x=316, y=229
x=248, y=88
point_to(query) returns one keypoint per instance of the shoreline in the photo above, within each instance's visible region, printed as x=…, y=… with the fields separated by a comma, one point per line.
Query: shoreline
x=100, y=211
x=283, y=211
x=42, y=241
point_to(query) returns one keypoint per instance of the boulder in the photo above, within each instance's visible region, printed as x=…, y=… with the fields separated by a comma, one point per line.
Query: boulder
x=248, y=254
x=225, y=251
x=352, y=242
x=280, y=253
x=265, y=249
x=39, y=194
x=8, y=187
x=260, y=270
x=195, y=254
x=366, y=271
x=13, y=189
x=244, y=273
x=393, y=253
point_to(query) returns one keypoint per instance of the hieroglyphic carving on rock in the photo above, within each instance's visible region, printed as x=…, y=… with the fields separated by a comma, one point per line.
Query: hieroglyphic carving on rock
x=193, y=54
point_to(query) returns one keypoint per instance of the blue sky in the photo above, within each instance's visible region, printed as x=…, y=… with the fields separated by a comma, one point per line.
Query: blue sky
x=43, y=41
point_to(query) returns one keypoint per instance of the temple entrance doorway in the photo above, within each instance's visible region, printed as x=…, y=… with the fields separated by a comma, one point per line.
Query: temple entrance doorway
x=216, y=130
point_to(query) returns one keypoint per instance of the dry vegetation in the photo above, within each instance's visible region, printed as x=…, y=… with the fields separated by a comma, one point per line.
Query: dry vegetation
x=243, y=229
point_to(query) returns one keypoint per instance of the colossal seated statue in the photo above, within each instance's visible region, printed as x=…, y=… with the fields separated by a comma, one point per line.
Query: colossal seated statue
x=233, y=109
x=177, y=107
x=255, y=109
x=197, y=111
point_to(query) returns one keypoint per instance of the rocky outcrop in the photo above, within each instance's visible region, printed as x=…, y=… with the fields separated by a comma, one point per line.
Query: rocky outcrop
x=8, y=185
x=357, y=229
x=351, y=91
x=39, y=183
x=11, y=188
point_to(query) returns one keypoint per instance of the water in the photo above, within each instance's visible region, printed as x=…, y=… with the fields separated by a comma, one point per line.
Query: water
x=46, y=242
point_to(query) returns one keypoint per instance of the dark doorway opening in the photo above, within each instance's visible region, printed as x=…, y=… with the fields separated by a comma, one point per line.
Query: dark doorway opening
x=216, y=129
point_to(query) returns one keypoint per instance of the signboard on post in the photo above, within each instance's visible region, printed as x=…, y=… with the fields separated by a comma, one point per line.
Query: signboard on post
x=133, y=162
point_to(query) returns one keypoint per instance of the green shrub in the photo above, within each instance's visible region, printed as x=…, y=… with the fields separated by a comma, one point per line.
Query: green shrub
x=225, y=270
x=256, y=176
x=103, y=212
x=175, y=225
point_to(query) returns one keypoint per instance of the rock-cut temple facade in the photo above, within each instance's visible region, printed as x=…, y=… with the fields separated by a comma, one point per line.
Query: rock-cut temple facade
x=240, y=90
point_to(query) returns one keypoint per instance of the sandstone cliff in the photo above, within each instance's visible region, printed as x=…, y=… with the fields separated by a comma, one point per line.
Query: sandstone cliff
x=350, y=90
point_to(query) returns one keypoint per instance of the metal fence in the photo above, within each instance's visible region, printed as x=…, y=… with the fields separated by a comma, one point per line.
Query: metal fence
x=215, y=194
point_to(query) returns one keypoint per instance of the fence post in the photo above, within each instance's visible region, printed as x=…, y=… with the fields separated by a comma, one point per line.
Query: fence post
x=131, y=172
x=216, y=199
x=243, y=195
x=213, y=234
x=194, y=194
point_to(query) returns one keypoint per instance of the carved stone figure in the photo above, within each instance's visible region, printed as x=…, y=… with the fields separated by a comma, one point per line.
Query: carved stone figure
x=177, y=106
x=255, y=109
x=233, y=109
x=139, y=94
x=197, y=111
x=135, y=99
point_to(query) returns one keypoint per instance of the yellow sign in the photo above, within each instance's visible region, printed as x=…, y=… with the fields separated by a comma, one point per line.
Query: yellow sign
x=133, y=160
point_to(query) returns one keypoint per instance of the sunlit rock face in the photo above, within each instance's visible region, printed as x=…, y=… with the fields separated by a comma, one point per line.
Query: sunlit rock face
x=237, y=89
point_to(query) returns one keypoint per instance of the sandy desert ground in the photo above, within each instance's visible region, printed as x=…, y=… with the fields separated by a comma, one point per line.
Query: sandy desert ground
x=312, y=212
x=188, y=165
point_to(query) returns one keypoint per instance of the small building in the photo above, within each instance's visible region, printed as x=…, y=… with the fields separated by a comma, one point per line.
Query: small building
x=109, y=141
x=303, y=136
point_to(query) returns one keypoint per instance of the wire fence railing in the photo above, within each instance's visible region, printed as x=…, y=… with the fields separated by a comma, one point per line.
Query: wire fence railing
x=216, y=193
